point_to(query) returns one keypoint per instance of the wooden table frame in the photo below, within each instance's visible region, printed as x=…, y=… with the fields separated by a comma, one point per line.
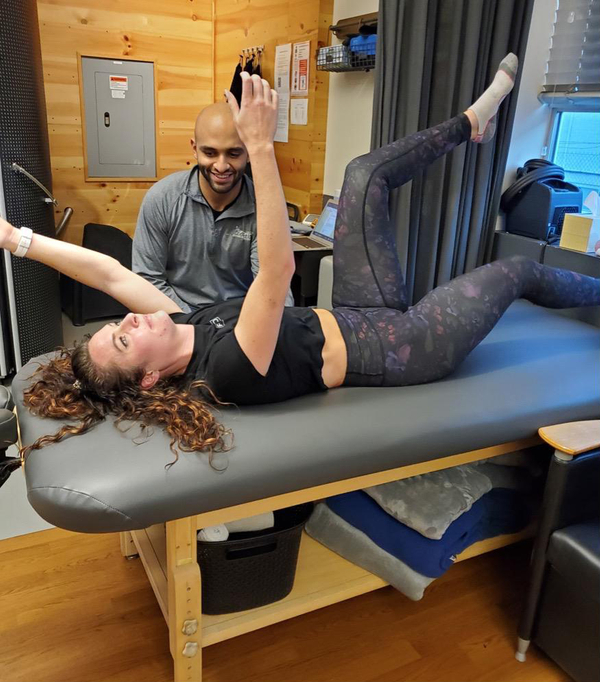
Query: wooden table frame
x=168, y=553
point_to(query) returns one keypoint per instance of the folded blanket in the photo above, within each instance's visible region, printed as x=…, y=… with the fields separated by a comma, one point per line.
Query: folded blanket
x=352, y=544
x=515, y=478
x=506, y=511
x=499, y=511
x=429, y=503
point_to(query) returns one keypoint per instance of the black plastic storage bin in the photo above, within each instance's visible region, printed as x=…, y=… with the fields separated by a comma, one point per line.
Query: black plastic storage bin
x=252, y=569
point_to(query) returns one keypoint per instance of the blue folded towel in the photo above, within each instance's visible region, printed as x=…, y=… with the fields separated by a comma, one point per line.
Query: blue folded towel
x=499, y=511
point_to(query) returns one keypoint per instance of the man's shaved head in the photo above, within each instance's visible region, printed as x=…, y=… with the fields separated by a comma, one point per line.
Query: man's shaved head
x=220, y=153
x=215, y=118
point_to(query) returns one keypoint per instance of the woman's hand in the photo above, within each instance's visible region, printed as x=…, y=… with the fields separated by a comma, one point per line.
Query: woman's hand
x=256, y=121
x=9, y=235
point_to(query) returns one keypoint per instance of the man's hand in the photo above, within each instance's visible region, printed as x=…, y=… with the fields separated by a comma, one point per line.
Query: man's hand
x=256, y=121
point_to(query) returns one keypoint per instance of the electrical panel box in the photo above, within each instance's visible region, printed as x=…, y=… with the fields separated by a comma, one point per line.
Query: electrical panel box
x=119, y=118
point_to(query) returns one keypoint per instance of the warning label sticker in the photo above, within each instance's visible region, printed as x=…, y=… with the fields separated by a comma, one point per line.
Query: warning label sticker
x=119, y=82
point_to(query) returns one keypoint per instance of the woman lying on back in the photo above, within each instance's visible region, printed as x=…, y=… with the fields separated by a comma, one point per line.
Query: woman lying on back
x=165, y=367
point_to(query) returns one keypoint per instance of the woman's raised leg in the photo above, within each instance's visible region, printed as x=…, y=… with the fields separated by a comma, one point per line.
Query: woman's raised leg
x=367, y=272
x=366, y=269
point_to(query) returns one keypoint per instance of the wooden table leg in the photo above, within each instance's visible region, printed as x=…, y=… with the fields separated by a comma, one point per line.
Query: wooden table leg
x=185, y=625
x=128, y=548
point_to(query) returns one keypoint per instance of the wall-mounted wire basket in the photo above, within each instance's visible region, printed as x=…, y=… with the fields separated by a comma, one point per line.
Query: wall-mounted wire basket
x=341, y=58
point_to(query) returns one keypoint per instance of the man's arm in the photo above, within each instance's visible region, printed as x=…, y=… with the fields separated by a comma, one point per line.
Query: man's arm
x=289, y=299
x=151, y=247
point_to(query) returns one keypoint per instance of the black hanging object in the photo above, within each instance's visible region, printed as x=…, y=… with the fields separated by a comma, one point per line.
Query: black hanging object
x=236, y=83
x=258, y=67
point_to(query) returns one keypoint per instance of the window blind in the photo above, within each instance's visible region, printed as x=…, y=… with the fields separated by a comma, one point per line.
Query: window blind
x=573, y=71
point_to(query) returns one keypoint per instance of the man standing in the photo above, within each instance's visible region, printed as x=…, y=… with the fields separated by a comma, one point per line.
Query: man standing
x=196, y=231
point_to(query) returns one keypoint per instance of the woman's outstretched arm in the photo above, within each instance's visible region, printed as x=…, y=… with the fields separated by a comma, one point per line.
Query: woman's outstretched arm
x=260, y=318
x=94, y=269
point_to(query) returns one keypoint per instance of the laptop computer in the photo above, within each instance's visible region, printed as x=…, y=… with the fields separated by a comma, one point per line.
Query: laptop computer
x=321, y=238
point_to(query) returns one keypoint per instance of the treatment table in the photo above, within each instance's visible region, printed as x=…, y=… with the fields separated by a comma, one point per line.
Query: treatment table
x=536, y=368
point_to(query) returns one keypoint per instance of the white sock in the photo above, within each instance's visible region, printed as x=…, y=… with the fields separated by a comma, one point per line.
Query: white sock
x=486, y=106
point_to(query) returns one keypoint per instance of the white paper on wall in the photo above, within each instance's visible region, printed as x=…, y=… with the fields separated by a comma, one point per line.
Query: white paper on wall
x=299, y=112
x=283, y=116
x=300, y=68
x=282, y=86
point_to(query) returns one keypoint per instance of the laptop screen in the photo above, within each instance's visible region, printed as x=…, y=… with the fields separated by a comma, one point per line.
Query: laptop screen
x=326, y=223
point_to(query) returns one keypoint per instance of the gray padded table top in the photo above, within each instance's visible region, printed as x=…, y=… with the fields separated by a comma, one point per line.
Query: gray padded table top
x=536, y=368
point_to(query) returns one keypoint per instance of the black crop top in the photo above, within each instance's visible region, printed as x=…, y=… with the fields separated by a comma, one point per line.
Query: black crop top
x=218, y=359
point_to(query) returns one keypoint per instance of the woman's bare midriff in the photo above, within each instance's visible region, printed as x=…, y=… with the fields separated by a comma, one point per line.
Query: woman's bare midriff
x=335, y=356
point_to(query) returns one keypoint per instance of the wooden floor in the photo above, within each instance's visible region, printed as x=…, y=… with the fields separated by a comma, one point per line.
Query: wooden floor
x=73, y=610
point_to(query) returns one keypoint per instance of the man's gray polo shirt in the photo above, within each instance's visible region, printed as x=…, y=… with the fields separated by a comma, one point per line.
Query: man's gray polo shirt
x=193, y=258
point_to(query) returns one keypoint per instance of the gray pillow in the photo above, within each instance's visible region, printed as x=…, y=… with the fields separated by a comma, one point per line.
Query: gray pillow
x=430, y=502
x=338, y=535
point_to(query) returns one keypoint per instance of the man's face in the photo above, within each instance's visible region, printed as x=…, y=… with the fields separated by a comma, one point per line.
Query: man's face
x=222, y=158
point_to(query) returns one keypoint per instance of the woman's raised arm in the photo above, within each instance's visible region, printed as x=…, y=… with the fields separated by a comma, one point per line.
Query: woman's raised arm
x=88, y=267
x=260, y=318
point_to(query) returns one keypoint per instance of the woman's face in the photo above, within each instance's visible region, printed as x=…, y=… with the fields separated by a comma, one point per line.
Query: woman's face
x=146, y=341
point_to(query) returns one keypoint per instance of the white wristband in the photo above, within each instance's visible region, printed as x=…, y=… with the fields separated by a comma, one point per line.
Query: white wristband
x=24, y=242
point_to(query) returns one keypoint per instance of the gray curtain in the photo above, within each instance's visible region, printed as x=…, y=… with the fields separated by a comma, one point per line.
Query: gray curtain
x=434, y=58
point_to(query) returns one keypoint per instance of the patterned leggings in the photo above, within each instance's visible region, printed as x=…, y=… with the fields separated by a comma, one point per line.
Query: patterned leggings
x=388, y=342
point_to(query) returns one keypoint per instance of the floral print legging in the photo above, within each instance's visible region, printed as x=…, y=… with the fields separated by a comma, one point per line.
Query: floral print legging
x=390, y=343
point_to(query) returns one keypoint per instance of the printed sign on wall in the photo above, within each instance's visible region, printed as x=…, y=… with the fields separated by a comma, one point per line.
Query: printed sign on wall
x=300, y=68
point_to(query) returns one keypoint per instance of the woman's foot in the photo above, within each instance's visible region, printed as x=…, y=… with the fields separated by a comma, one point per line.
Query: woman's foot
x=483, y=118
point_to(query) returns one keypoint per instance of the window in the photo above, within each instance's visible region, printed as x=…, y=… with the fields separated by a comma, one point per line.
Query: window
x=576, y=148
x=572, y=89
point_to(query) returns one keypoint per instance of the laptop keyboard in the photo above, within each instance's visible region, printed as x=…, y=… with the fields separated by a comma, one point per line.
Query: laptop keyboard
x=308, y=243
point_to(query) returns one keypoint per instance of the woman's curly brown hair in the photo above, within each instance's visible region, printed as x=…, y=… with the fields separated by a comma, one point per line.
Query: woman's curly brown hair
x=71, y=386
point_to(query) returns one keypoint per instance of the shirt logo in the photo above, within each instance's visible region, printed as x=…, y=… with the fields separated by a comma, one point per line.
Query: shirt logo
x=241, y=234
x=217, y=322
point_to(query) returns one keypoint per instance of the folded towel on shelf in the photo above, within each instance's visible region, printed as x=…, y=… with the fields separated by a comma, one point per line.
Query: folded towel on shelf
x=252, y=523
x=338, y=535
x=213, y=533
x=429, y=503
x=248, y=525
x=499, y=511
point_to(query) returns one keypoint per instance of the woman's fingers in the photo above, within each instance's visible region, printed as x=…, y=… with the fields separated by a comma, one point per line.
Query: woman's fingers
x=246, y=87
x=233, y=105
x=257, y=88
x=266, y=91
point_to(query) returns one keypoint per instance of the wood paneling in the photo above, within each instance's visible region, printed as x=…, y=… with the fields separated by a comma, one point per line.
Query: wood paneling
x=246, y=23
x=177, y=35
x=195, y=54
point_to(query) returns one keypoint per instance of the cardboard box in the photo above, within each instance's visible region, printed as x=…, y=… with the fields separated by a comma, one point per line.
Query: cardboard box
x=580, y=232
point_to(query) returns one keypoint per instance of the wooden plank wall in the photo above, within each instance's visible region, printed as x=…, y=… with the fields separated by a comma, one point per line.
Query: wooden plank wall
x=247, y=23
x=194, y=45
x=177, y=35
